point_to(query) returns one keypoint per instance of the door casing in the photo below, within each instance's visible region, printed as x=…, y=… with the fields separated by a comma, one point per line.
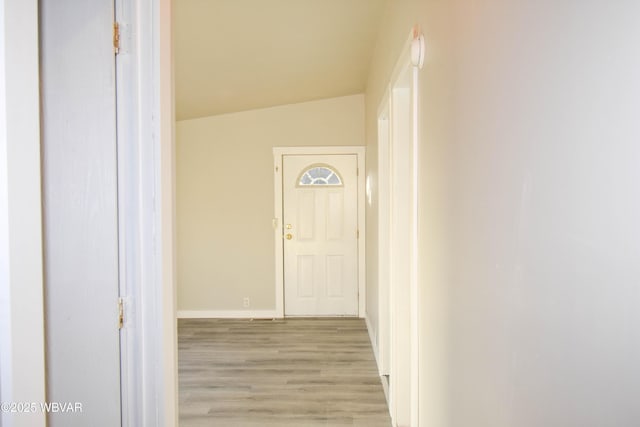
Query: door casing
x=398, y=143
x=278, y=153
x=383, y=340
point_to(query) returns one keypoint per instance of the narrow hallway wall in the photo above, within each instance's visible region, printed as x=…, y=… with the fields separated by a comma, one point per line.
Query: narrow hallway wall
x=529, y=231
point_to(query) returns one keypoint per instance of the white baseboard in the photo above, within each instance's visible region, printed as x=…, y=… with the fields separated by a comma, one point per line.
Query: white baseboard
x=372, y=338
x=374, y=345
x=227, y=314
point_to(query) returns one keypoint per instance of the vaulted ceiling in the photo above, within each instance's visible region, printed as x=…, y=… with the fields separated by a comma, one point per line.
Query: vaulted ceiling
x=236, y=55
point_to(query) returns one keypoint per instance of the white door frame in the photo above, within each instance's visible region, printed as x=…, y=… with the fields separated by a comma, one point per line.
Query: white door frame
x=146, y=176
x=22, y=333
x=278, y=153
x=410, y=62
x=151, y=29
x=384, y=224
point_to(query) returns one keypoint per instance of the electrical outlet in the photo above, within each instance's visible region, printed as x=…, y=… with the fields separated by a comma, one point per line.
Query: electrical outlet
x=246, y=302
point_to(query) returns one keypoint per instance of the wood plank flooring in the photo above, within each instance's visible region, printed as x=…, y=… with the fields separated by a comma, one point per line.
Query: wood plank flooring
x=269, y=373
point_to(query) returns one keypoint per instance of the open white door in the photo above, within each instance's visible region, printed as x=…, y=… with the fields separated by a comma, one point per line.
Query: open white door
x=80, y=192
x=320, y=198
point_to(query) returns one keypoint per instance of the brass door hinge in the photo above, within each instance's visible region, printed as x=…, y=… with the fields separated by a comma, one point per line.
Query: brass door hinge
x=116, y=38
x=120, y=313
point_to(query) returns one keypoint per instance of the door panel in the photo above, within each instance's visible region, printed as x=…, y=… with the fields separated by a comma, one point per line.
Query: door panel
x=305, y=279
x=306, y=215
x=321, y=258
x=335, y=275
x=80, y=210
x=335, y=215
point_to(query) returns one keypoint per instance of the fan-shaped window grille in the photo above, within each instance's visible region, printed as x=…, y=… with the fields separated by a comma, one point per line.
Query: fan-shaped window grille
x=320, y=175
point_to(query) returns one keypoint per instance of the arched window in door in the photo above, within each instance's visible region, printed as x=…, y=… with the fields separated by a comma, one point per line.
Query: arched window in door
x=319, y=175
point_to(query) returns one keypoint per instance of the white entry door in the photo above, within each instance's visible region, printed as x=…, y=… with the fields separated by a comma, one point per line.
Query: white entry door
x=320, y=233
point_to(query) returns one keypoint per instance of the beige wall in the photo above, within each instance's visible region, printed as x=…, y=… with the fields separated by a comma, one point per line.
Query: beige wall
x=225, y=196
x=529, y=207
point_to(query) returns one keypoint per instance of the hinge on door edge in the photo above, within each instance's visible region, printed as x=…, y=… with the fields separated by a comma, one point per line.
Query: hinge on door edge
x=116, y=38
x=120, y=313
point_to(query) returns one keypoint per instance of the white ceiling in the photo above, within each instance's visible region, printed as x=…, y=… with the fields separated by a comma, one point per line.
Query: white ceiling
x=236, y=55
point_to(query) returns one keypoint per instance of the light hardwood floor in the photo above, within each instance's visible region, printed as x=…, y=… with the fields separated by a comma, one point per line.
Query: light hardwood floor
x=293, y=372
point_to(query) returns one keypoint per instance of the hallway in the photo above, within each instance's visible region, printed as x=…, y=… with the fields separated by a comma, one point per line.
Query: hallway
x=292, y=372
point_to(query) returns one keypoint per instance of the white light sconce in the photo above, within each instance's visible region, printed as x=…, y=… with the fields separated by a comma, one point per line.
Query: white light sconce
x=417, y=48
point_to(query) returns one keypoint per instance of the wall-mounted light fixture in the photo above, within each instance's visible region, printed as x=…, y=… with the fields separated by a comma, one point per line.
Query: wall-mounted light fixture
x=417, y=48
